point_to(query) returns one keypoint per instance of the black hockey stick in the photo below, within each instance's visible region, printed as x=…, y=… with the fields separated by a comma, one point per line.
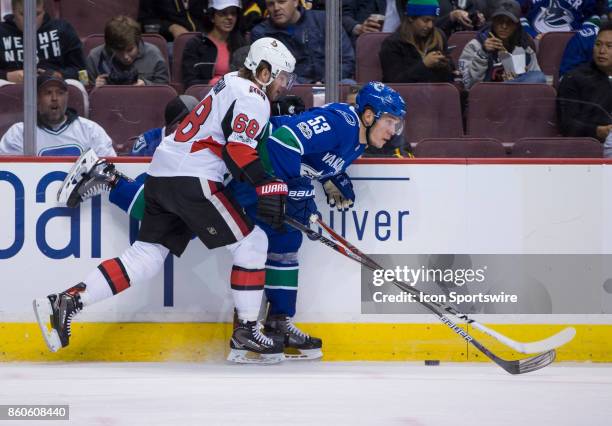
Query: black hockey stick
x=511, y=366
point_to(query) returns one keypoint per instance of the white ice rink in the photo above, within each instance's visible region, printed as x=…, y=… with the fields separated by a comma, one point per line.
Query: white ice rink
x=312, y=393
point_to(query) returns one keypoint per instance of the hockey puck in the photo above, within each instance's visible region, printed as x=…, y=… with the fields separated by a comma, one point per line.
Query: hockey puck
x=432, y=362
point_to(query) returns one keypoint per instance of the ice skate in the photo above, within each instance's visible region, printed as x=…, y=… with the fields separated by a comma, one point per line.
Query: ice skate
x=88, y=177
x=60, y=308
x=250, y=346
x=297, y=344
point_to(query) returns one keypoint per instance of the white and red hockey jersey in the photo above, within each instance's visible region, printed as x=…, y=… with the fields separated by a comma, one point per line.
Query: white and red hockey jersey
x=225, y=127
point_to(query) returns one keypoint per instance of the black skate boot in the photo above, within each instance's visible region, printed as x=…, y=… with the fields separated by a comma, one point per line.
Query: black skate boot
x=61, y=308
x=88, y=177
x=250, y=346
x=298, y=345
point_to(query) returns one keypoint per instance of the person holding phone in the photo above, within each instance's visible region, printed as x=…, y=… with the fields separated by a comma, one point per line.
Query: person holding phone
x=481, y=57
x=206, y=58
x=417, y=51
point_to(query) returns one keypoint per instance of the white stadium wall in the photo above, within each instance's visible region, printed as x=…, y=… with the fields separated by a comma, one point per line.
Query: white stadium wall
x=403, y=207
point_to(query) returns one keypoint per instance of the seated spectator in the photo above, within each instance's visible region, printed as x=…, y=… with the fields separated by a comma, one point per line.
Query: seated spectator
x=397, y=147
x=59, y=131
x=303, y=32
x=207, y=58
x=415, y=53
x=171, y=18
x=460, y=16
x=584, y=100
x=579, y=49
x=59, y=47
x=124, y=59
x=287, y=105
x=177, y=109
x=357, y=16
x=480, y=60
x=543, y=16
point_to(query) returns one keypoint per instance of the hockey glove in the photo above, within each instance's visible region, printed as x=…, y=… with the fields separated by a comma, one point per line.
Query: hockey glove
x=339, y=191
x=271, y=201
x=300, y=201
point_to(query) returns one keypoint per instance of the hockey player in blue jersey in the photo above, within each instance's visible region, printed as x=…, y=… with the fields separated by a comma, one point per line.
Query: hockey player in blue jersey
x=318, y=144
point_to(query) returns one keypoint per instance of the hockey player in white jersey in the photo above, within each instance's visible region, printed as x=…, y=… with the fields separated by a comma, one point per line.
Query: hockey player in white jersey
x=184, y=195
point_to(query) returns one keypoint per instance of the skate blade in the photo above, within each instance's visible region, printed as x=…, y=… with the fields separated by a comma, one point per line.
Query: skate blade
x=42, y=309
x=293, y=354
x=71, y=180
x=243, y=356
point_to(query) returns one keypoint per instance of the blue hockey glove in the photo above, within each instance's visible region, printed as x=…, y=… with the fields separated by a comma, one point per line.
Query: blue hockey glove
x=300, y=200
x=339, y=191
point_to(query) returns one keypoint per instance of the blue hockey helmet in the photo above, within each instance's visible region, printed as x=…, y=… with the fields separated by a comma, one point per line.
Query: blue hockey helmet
x=381, y=99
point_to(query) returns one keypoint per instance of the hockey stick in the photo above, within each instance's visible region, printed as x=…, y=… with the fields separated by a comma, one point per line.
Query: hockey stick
x=520, y=366
x=552, y=342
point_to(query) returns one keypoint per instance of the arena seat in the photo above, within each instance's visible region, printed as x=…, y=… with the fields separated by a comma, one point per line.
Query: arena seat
x=367, y=63
x=198, y=91
x=433, y=111
x=557, y=148
x=550, y=52
x=304, y=91
x=459, y=39
x=177, y=59
x=95, y=40
x=511, y=111
x=459, y=147
x=11, y=104
x=89, y=17
x=127, y=111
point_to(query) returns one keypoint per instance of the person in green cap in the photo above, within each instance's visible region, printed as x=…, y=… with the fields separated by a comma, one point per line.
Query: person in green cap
x=417, y=51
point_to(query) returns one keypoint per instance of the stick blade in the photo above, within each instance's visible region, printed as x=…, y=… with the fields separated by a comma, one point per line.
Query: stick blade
x=527, y=365
x=553, y=342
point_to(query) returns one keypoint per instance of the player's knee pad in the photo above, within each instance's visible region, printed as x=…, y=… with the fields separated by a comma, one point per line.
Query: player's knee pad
x=250, y=252
x=143, y=260
x=285, y=242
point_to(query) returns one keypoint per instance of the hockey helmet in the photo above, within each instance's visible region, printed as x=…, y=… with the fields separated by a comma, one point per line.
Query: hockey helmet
x=382, y=100
x=274, y=53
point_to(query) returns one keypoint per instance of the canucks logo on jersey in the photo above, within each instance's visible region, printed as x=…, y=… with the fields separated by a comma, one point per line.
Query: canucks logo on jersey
x=553, y=18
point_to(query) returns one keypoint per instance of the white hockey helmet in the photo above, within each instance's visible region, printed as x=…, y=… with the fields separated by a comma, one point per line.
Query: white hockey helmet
x=274, y=53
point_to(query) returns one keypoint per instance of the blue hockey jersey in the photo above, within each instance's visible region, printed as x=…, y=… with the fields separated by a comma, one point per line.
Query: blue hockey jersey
x=579, y=49
x=543, y=16
x=318, y=144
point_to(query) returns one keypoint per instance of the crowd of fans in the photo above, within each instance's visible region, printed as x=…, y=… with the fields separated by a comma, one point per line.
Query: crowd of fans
x=416, y=50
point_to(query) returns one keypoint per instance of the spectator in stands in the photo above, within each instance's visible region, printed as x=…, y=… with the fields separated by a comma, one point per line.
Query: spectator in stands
x=171, y=18
x=397, y=147
x=357, y=16
x=287, y=105
x=456, y=15
x=584, y=101
x=124, y=59
x=480, y=59
x=303, y=32
x=206, y=58
x=579, y=49
x=59, y=47
x=543, y=16
x=176, y=110
x=416, y=52
x=60, y=131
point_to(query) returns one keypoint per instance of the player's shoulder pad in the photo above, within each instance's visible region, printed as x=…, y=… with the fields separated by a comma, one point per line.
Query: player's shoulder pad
x=345, y=111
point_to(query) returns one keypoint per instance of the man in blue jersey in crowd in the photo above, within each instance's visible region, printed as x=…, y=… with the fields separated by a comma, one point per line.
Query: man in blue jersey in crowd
x=318, y=144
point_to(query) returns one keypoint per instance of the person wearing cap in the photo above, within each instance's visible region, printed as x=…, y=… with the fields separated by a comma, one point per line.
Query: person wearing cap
x=584, y=101
x=543, y=16
x=480, y=60
x=416, y=51
x=206, y=58
x=177, y=109
x=303, y=32
x=60, y=131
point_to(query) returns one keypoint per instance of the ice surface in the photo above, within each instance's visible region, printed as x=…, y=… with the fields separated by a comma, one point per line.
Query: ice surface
x=312, y=393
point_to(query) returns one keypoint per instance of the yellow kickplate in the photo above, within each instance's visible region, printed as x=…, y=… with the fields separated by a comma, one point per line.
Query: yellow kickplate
x=341, y=342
